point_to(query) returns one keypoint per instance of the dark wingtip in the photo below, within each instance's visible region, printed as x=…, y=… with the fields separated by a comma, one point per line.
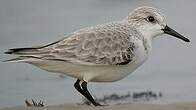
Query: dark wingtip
x=9, y=52
x=16, y=50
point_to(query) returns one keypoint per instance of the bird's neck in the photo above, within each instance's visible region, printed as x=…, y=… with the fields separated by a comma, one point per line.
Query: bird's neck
x=147, y=44
x=148, y=35
x=147, y=39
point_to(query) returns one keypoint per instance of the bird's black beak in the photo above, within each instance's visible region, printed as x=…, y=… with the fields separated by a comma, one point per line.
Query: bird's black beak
x=172, y=32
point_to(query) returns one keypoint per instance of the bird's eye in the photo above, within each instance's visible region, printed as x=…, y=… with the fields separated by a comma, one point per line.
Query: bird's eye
x=151, y=19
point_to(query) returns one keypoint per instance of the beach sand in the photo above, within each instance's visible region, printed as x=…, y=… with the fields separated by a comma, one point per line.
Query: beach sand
x=132, y=106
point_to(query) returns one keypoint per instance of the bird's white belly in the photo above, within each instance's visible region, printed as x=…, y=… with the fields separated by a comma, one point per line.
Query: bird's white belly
x=107, y=73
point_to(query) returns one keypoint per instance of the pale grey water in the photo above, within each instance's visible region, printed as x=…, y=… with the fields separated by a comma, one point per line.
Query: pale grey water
x=170, y=68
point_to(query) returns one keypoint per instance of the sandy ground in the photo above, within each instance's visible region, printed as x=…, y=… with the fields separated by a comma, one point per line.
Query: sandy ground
x=133, y=106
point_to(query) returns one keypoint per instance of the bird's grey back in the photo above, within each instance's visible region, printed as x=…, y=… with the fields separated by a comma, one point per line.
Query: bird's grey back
x=105, y=44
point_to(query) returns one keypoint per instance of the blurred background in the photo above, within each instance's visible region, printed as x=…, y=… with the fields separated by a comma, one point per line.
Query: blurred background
x=170, y=68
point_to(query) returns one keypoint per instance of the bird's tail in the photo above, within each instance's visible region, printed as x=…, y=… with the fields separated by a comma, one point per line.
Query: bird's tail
x=25, y=54
x=22, y=59
x=18, y=59
x=23, y=51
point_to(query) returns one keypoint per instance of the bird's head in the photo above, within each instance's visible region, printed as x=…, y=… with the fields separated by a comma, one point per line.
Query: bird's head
x=151, y=23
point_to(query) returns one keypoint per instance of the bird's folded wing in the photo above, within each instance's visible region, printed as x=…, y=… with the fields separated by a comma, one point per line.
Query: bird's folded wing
x=102, y=45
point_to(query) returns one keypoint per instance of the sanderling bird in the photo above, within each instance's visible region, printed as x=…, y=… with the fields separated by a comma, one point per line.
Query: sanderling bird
x=101, y=53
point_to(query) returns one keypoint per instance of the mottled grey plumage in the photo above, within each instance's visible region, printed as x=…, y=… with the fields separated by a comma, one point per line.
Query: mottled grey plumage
x=106, y=44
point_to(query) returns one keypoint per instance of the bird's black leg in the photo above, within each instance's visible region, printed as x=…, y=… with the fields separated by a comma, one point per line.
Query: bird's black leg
x=77, y=86
x=84, y=91
x=88, y=95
